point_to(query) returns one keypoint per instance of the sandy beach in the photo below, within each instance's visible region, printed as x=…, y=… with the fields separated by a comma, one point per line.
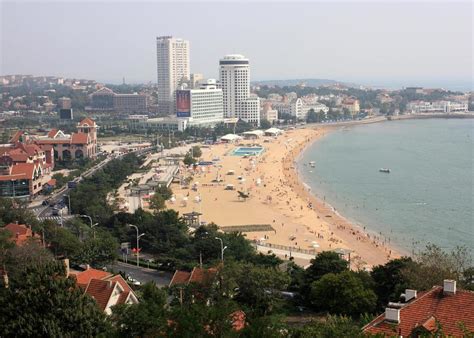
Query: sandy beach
x=301, y=225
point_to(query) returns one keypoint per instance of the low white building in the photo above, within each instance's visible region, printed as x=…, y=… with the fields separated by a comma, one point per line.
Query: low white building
x=201, y=107
x=253, y=134
x=273, y=132
x=267, y=113
x=249, y=110
x=437, y=107
x=231, y=138
x=317, y=107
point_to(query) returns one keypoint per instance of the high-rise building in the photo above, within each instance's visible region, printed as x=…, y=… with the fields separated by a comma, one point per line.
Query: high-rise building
x=235, y=82
x=172, y=56
x=196, y=80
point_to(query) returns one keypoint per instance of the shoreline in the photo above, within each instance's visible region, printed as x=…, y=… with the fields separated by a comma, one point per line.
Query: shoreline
x=396, y=249
x=357, y=238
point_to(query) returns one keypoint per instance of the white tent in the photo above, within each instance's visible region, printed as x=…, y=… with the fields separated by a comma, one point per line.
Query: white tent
x=273, y=132
x=230, y=138
x=253, y=134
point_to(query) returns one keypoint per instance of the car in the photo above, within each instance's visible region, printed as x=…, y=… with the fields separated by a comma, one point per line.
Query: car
x=45, y=202
x=133, y=281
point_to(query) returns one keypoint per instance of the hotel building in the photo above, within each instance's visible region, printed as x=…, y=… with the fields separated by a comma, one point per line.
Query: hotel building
x=202, y=107
x=172, y=56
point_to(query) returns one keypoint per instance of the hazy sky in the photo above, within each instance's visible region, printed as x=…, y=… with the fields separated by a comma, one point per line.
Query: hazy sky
x=365, y=42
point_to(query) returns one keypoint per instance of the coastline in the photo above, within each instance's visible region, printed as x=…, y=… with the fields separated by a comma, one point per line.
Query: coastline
x=366, y=248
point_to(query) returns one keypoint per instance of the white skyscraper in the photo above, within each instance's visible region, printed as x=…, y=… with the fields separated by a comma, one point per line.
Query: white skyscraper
x=235, y=81
x=172, y=57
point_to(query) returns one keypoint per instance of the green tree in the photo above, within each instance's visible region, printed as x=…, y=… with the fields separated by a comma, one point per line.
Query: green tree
x=188, y=159
x=389, y=280
x=99, y=250
x=51, y=305
x=433, y=265
x=259, y=288
x=333, y=326
x=157, y=202
x=148, y=318
x=164, y=191
x=324, y=263
x=265, y=124
x=312, y=117
x=343, y=293
x=62, y=242
x=196, y=151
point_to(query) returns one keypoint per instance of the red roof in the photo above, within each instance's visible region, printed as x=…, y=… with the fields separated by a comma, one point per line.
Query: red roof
x=100, y=290
x=16, y=137
x=430, y=308
x=20, y=233
x=88, y=121
x=84, y=277
x=180, y=277
x=52, y=133
x=51, y=182
x=26, y=169
x=198, y=275
x=80, y=138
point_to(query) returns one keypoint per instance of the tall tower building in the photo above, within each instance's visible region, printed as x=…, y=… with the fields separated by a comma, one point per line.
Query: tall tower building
x=235, y=81
x=172, y=56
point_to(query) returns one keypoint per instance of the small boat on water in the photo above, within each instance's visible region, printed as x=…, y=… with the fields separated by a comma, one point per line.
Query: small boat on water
x=384, y=170
x=312, y=164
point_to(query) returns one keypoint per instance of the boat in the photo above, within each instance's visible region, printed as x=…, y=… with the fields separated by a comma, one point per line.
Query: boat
x=384, y=170
x=312, y=164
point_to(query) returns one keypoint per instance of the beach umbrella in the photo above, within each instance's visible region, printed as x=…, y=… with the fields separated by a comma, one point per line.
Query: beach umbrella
x=197, y=199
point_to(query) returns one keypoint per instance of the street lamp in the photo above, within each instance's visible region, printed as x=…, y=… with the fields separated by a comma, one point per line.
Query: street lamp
x=90, y=220
x=222, y=248
x=138, y=242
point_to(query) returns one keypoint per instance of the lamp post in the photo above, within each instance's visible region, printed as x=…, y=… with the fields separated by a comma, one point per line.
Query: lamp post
x=138, y=242
x=90, y=220
x=222, y=248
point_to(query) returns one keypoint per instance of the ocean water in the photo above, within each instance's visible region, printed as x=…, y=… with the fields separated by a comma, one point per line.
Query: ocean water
x=428, y=197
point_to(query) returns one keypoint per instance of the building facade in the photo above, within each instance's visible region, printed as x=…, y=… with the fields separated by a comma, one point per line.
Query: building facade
x=201, y=107
x=268, y=113
x=172, y=56
x=437, y=107
x=234, y=72
x=249, y=110
x=106, y=100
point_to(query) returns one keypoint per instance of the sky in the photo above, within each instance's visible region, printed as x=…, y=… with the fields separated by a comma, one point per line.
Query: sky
x=376, y=43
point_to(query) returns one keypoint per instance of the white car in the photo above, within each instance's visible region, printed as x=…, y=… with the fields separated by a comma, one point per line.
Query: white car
x=133, y=281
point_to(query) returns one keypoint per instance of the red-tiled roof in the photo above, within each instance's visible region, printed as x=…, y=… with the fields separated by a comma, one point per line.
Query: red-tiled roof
x=51, y=182
x=430, y=308
x=27, y=169
x=16, y=136
x=80, y=138
x=100, y=290
x=180, y=277
x=198, y=275
x=119, y=279
x=84, y=277
x=52, y=133
x=20, y=233
x=88, y=121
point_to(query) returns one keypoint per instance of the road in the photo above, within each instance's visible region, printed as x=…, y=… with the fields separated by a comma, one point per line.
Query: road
x=143, y=274
x=45, y=211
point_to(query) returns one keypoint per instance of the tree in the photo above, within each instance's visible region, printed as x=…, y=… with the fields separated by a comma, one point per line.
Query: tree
x=157, y=202
x=265, y=124
x=62, y=242
x=343, y=293
x=99, y=250
x=312, y=117
x=188, y=159
x=325, y=262
x=389, y=280
x=51, y=305
x=164, y=191
x=196, y=152
x=433, y=265
x=145, y=319
x=333, y=326
x=257, y=287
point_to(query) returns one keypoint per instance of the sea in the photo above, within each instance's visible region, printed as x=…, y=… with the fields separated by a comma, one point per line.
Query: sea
x=428, y=196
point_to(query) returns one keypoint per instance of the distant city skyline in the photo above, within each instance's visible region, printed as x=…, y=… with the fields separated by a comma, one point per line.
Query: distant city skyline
x=389, y=44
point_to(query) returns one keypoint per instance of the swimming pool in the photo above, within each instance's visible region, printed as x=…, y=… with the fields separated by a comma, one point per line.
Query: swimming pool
x=247, y=151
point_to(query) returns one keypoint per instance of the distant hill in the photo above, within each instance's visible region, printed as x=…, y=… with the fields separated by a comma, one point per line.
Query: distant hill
x=306, y=82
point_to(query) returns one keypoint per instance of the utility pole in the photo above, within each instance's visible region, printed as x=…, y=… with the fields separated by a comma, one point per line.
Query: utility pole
x=138, y=242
